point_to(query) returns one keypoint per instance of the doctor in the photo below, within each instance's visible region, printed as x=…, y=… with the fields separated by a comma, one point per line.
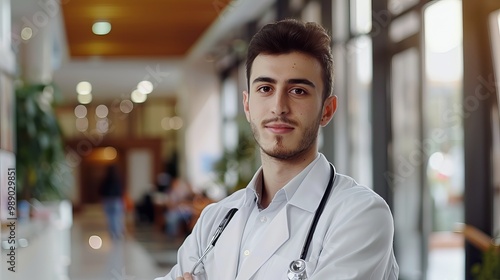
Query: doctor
x=289, y=72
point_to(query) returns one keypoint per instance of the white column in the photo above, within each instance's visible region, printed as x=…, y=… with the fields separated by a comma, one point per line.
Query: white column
x=4, y=23
x=37, y=52
x=7, y=61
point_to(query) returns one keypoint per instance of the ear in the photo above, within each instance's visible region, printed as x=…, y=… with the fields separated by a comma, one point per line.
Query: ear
x=329, y=108
x=245, y=104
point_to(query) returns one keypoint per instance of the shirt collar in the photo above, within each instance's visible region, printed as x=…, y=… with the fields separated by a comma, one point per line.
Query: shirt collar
x=253, y=188
x=292, y=186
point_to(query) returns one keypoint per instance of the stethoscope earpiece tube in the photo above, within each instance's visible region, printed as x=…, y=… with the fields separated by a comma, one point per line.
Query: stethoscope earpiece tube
x=214, y=239
x=297, y=268
x=317, y=215
x=223, y=225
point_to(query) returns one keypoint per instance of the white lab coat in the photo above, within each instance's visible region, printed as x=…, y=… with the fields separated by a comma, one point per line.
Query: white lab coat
x=353, y=239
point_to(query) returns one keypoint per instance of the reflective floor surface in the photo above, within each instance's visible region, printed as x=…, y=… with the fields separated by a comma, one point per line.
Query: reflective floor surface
x=126, y=259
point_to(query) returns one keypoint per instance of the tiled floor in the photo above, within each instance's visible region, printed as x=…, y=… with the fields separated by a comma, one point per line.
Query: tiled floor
x=123, y=260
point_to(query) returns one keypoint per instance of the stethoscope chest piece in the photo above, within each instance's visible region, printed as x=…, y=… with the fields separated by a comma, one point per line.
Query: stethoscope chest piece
x=297, y=270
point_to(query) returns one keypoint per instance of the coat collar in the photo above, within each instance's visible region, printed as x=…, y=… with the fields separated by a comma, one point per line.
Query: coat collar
x=313, y=186
x=227, y=250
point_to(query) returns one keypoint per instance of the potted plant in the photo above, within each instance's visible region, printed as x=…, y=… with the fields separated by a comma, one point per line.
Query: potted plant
x=489, y=268
x=239, y=163
x=39, y=148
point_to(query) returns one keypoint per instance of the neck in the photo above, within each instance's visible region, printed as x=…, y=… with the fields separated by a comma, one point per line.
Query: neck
x=277, y=173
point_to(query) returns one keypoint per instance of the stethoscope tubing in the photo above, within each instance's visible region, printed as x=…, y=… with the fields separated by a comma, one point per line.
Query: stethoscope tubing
x=215, y=237
x=318, y=213
x=309, y=237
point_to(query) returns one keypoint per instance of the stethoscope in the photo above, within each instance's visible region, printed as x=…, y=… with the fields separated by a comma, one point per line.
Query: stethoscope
x=297, y=268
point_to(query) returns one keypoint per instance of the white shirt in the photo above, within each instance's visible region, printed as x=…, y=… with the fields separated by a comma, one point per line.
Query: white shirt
x=353, y=239
x=259, y=220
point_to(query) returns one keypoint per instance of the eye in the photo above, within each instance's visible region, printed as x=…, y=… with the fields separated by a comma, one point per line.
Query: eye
x=298, y=91
x=264, y=89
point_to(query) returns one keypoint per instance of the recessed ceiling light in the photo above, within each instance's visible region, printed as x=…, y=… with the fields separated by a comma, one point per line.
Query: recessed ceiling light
x=101, y=111
x=138, y=97
x=145, y=87
x=26, y=33
x=84, y=99
x=80, y=111
x=101, y=28
x=126, y=106
x=83, y=88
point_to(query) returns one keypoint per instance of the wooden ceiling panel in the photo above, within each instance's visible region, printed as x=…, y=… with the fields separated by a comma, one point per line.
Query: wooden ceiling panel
x=143, y=28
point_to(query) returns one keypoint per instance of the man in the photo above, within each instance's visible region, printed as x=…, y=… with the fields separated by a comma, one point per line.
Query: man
x=289, y=72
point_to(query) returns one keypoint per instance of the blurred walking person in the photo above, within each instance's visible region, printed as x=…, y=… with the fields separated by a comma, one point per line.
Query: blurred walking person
x=111, y=191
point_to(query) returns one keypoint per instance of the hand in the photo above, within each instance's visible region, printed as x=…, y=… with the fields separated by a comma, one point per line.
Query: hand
x=186, y=276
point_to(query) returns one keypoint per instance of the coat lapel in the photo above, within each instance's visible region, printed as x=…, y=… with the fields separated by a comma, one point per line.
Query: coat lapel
x=271, y=241
x=227, y=249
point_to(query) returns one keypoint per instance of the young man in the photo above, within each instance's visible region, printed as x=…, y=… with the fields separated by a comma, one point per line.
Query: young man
x=289, y=72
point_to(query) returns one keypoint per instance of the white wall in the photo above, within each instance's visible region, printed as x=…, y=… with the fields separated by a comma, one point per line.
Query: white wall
x=139, y=166
x=200, y=103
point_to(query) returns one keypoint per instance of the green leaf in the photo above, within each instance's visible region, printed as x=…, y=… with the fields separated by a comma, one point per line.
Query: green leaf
x=39, y=145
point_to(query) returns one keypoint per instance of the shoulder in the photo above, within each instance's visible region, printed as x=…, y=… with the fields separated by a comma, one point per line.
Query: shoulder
x=347, y=189
x=351, y=201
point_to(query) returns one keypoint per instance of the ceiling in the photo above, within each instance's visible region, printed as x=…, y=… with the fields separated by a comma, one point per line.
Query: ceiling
x=146, y=28
x=149, y=39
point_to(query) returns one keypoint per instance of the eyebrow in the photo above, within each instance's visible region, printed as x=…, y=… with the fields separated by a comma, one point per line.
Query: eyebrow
x=289, y=81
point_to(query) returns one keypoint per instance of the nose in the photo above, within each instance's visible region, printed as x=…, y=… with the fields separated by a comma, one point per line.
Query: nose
x=280, y=103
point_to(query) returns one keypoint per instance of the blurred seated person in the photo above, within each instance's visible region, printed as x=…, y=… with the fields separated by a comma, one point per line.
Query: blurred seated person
x=179, y=208
x=163, y=182
x=145, y=208
x=200, y=201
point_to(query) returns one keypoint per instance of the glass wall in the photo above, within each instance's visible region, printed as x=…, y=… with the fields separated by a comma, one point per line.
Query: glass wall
x=443, y=144
x=405, y=180
x=352, y=50
x=495, y=40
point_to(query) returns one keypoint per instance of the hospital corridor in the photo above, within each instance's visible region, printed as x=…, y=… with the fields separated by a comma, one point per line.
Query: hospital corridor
x=122, y=120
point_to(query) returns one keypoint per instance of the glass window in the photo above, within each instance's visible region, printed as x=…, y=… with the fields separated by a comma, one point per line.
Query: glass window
x=404, y=26
x=340, y=24
x=495, y=45
x=359, y=108
x=312, y=12
x=296, y=5
x=361, y=16
x=495, y=41
x=229, y=113
x=407, y=162
x=443, y=134
x=399, y=6
x=443, y=111
x=340, y=124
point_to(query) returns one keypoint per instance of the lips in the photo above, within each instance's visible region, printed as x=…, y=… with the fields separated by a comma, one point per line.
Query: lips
x=279, y=128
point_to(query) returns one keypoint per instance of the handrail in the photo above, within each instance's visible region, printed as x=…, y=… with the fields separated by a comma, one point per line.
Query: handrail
x=477, y=238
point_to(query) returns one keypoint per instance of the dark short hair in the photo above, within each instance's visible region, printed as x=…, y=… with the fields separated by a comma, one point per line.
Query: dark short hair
x=291, y=35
